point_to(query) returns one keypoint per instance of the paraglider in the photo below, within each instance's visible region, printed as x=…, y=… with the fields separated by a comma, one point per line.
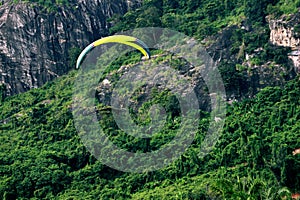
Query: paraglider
x=123, y=39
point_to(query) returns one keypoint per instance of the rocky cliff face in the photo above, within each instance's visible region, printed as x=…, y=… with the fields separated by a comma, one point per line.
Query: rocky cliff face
x=255, y=76
x=286, y=32
x=35, y=44
x=283, y=31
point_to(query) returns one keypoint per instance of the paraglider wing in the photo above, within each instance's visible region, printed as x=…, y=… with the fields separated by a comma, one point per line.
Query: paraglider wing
x=83, y=54
x=123, y=39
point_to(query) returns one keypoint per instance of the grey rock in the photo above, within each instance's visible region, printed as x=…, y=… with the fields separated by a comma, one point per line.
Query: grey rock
x=35, y=43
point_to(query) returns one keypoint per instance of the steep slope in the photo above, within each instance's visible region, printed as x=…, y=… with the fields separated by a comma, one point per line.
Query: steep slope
x=239, y=35
x=37, y=42
x=42, y=155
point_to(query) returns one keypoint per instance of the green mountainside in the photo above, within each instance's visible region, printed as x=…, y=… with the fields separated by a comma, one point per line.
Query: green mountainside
x=235, y=32
x=43, y=157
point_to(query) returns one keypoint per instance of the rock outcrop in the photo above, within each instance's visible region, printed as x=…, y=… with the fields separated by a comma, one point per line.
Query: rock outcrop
x=286, y=32
x=252, y=77
x=283, y=33
x=35, y=43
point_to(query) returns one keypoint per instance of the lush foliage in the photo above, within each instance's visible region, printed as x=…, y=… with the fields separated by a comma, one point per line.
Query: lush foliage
x=42, y=156
x=284, y=7
x=247, y=41
x=201, y=18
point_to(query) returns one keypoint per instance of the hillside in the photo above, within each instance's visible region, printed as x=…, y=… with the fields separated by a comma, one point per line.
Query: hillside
x=43, y=157
x=236, y=34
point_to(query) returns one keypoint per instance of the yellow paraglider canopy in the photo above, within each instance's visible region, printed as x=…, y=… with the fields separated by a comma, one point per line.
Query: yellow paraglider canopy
x=122, y=39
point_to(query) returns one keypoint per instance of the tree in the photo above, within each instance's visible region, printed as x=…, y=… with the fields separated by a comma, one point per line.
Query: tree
x=256, y=10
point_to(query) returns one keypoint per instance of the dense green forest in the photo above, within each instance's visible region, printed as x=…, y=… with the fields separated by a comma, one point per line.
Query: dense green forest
x=43, y=157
